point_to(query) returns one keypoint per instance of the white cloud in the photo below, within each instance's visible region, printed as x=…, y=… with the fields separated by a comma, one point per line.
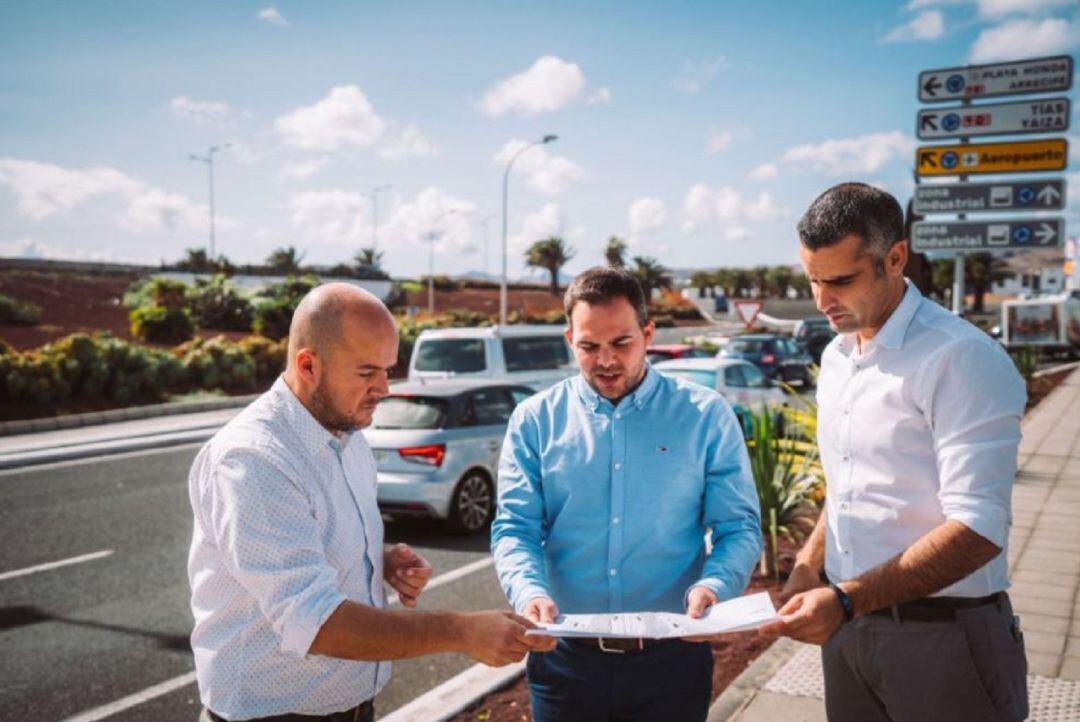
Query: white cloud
x=29, y=248
x=1019, y=39
x=704, y=205
x=920, y=4
x=997, y=9
x=345, y=117
x=646, y=215
x=549, y=85
x=547, y=222
x=736, y=233
x=335, y=217
x=765, y=171
x=546, y=173
x=600, y=97
x=718, y=141
x=696, y=74
x=272, y=16
x=43, y=190
x=852, y=156
x=927, y=25
x=301, y=170
x=200, y=112
x=433, y=213
x=411, y=143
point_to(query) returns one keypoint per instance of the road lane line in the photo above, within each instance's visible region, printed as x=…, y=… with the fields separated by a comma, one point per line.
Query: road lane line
x=54, y=565
x=132, y=700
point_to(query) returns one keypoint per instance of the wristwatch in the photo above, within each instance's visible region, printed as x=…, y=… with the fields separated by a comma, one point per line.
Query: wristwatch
x=845, y=602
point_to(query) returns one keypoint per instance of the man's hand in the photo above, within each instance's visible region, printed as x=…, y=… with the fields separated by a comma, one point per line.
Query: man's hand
x=540, y=609
x=498, y=638
x=802, y=579
x=697, y=602
x=811, y=617
x=406, y=571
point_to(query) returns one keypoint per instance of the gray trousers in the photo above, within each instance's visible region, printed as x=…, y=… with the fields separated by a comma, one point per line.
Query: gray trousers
x=972, y=669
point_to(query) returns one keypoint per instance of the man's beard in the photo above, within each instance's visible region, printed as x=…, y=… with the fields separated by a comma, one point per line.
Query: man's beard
x=325, y=414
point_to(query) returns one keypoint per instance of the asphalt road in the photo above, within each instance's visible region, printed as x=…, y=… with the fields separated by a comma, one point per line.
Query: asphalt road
x=84, y=635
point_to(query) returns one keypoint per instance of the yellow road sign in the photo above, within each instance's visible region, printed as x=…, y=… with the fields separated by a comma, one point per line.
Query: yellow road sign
x=1020, y=157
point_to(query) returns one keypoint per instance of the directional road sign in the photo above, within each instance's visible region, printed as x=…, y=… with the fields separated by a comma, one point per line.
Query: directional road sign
x=1045, y=194
x=1019, y=157
x=1040, y=75
x=1041, y=115
x=988, y=235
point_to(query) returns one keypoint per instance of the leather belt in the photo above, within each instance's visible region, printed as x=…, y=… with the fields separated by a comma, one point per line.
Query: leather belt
x=936, y=609
x=348, y=715
x=620, y=645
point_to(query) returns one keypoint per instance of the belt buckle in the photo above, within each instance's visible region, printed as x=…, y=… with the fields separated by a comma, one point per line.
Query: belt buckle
x=600, y=643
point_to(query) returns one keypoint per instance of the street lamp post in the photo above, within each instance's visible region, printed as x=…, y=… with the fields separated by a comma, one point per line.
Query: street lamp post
x=209, y=160
x=374, y=196
x=506, y=182
x=484, y=223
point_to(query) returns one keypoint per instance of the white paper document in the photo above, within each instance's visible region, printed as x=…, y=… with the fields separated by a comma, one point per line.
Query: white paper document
x=749, y=612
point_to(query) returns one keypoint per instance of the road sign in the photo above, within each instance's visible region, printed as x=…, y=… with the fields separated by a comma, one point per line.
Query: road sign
x=1041, y=115
x=988, y=235
x=1019, y=157
x=1039, y=75
x=1045, y=194
x=747, y=311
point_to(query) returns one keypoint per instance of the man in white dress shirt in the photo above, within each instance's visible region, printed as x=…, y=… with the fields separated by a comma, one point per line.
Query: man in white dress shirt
x=287, y=560
x=918, y=427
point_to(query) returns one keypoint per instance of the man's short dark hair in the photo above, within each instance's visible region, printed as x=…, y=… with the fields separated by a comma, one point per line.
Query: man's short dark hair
x=604, y=284
x=853, y=208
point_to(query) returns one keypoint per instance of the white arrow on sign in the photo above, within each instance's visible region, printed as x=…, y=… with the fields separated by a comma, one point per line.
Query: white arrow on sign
x=1048, y=195
x=1046, y=233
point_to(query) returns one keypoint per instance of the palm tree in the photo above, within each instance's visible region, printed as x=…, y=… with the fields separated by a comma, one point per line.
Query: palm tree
x=704, y=282
x=615, y=252
x=779, y=280
x=551, y=254
x=195, y=260
x=651, y=274
x=981, y=271
x=369, y=257
x=285, y=260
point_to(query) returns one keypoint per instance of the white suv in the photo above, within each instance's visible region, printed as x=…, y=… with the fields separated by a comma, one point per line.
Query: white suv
x=536, y=356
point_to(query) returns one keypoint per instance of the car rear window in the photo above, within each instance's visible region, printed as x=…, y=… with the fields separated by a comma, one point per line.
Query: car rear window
x=409, y=412
x=530, y=353
x=737, y=346
x=452, y=355
x=701, y=378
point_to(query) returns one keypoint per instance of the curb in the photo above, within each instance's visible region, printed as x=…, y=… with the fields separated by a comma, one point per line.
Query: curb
x=105, y=448
x=457, y=694
x=131, y=413
x=744, y=688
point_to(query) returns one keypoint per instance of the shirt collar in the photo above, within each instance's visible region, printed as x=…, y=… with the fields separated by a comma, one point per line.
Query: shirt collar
x=298, y=416
x=638, y=398
x=892, y=334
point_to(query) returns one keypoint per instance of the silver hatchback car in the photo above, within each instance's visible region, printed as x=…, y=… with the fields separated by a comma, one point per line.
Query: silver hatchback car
x=437, y=448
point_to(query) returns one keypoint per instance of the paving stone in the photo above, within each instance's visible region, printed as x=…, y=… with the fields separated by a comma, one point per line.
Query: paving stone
x=1045, y=642
x=1043, y=664
x=1044, y=623
x=1070, y=668
x=1041, y=605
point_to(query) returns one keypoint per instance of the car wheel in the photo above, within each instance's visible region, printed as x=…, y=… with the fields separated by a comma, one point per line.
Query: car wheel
x=473, y=504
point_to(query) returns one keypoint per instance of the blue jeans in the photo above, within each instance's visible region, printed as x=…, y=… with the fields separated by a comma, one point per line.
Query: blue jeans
x=670, y=682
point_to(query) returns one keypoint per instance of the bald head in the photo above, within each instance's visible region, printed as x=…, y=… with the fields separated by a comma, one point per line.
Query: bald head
x=333, y=313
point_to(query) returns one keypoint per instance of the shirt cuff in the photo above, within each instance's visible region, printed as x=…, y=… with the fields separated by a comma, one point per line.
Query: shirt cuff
x=991, y=525
x=529, y=594
x=713, y=584
x=302, y=624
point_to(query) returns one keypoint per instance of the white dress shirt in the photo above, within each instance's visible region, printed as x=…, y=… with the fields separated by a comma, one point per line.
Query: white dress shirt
x=920, y=426
x=286, y=529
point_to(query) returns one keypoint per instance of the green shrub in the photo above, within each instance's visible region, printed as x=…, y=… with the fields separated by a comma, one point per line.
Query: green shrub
x=216, y=364
x=156, y=291
x=217, y=304
x=274, y=305
x=268, y=356
x=18, y=313
x=158, y=324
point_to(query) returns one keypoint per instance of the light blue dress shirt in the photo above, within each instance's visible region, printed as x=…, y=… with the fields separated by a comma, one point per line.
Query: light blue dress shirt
x=605, y=509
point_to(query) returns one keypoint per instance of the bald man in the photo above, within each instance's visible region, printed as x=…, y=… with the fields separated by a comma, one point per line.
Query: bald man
x=287, y=564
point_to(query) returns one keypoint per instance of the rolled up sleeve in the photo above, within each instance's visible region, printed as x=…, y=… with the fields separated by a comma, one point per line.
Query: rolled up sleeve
x=732, y=511
x=266, y=532
x=977, y=403
x=517, y=532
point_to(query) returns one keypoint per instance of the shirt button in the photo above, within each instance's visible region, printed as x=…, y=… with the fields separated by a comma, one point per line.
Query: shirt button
x=618, y=416
x=618, y=466
x=611, y=572
x=844, y=506
x=615, y=520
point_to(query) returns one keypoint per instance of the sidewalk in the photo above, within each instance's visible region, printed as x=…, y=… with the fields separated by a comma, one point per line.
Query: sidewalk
x=785, y=684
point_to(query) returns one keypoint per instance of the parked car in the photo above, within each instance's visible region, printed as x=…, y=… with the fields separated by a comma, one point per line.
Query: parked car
x=436, y=447
x=535, y=356
x=666, y=351
x=740, y=382
x=813, y=335
x=778, y=357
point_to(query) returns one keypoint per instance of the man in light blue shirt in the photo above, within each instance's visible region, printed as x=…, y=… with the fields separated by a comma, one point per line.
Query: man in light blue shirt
x=608, y=483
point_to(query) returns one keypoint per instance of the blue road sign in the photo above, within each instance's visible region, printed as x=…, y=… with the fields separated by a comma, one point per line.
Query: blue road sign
x=955, y=83
x=1025, y=195
x=1021, y=234
x=949, y=160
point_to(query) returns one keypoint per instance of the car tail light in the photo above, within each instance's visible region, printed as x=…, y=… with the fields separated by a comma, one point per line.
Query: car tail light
x=768, y=359
x=432, y=455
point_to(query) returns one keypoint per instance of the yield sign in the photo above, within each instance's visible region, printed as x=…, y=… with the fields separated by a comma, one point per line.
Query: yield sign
x=748, y=311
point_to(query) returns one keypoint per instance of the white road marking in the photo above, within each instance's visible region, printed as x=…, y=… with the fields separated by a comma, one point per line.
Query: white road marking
x=55, y=565
x=132, y=700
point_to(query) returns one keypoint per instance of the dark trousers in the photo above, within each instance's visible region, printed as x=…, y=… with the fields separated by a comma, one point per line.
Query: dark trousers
x=883, y=668
x=364, y=712
x=670, y=682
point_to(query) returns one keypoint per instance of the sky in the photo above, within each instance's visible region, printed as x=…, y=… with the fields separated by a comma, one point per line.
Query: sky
x=697, y=131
